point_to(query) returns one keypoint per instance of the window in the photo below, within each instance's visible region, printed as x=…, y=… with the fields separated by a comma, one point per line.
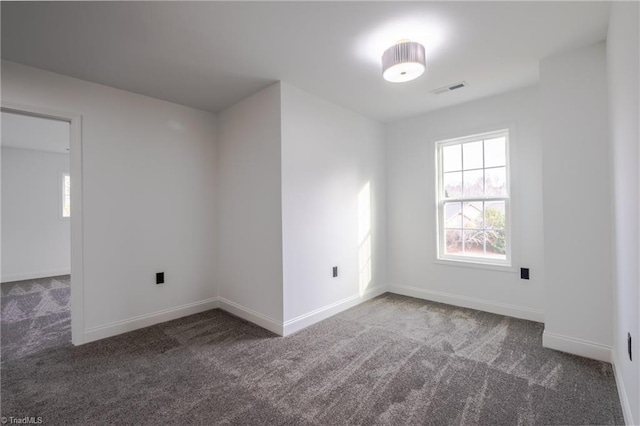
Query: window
x=66, y=195
x=473, y=199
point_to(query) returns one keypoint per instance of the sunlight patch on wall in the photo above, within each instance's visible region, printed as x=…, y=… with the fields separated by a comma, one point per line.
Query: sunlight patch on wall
x=364, y=237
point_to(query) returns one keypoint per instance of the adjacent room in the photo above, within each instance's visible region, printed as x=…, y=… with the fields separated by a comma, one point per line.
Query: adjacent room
x=36, y=239
x=320, y=213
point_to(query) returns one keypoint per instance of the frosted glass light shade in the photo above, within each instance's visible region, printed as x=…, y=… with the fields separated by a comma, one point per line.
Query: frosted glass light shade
x=404, y=61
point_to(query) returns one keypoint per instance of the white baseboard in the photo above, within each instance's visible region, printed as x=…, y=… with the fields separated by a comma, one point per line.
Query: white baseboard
x=470, y=302
x=275, y=326
x=622, y=392
x=34, y=275
x=142, y=321
x=576, y=346
x=305, y=320
x=250, y=315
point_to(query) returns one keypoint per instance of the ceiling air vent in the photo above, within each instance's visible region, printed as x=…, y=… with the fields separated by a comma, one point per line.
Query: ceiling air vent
x=449, y=88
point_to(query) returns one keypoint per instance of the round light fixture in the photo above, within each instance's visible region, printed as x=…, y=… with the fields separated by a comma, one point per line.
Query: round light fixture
x=405, y=61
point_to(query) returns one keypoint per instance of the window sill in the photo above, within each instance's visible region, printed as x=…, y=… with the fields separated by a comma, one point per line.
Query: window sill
x=476, y=265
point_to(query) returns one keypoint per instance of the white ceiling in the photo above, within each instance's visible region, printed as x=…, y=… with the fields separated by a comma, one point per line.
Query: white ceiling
x=209, y=55
x=34, y=133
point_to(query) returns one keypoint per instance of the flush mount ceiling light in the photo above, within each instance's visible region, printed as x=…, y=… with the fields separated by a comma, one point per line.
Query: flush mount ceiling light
x=405, y=61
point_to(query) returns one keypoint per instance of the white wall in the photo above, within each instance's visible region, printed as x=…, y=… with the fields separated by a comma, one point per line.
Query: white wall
x=149, y=188
x=622, y=73
x=332, y=163
x=577, y=202
x=411, y=207
x=35, y=237
x=249, y=212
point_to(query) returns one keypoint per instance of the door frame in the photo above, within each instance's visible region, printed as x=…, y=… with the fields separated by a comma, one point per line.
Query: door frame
x=77, y=238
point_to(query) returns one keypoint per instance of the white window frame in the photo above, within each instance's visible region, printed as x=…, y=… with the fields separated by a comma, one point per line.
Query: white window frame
x=62, y=195
x=475, y=261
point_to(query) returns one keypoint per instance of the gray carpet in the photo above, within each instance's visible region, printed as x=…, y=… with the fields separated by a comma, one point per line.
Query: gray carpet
x=34, y=315
x=393, y=360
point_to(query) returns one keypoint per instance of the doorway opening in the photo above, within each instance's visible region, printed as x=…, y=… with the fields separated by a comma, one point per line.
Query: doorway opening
x=36, y=276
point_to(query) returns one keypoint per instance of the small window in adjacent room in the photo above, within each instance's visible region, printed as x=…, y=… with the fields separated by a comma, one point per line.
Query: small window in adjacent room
x=473, y=199
x=66, y=195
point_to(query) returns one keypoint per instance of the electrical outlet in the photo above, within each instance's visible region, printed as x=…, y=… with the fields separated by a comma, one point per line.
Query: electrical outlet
x=524, y=273
x=160, y=278
x=629, y=346
x=335, y=271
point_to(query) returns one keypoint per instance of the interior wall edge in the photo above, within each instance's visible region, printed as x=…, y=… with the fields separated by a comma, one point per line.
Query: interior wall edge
x=575, y=346
x=250, y=315
x=301, y=322
x=622, y=392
